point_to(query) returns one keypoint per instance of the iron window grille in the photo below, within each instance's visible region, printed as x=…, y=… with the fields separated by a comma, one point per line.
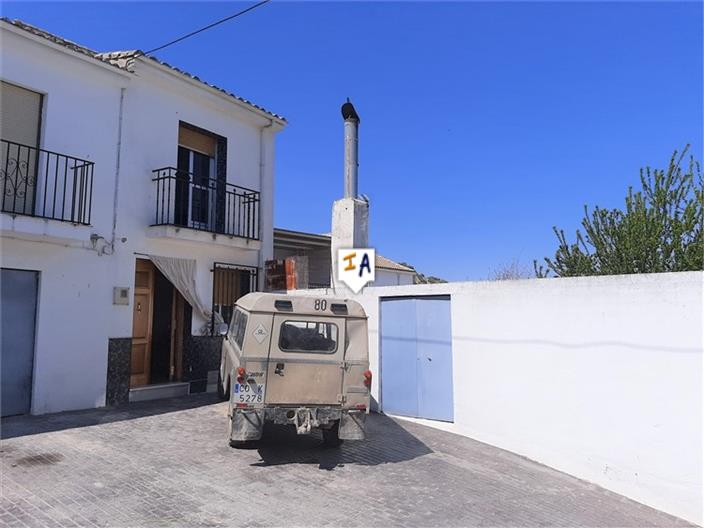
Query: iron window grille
x=230, y=282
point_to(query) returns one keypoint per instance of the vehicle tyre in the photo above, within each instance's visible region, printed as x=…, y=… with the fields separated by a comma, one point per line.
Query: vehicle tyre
x=223, y=394
x=331, y=436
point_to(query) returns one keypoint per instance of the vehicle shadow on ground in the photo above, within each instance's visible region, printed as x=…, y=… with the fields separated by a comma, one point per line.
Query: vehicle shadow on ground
x=387, y=443
x=16, y=426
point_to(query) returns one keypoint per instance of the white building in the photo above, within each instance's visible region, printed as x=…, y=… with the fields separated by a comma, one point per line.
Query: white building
x=136, y=200
x=391, y=273
x=316, y=248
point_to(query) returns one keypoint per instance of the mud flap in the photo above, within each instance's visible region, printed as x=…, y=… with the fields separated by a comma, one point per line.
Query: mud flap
x=247, y=425
x=352, y=425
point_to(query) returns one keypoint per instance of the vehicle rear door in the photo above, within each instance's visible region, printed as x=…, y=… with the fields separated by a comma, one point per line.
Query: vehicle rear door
x=355, y=388
x=305, y=360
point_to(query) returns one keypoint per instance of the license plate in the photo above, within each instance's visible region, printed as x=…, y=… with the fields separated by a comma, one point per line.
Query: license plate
x=249, y=392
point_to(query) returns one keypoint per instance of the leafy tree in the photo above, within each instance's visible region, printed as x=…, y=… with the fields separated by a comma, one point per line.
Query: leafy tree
x=659, y=230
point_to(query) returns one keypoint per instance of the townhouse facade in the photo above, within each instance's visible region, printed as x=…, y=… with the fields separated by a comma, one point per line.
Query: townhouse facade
x=137, y=204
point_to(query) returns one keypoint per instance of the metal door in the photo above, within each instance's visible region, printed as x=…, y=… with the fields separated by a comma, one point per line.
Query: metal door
x=18, y=307
x=399, y=363
x=305, y=360
x=416, y=357
x=434, y=351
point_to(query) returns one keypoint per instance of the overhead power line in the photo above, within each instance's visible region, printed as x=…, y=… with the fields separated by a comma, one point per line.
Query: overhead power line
x=217, y=23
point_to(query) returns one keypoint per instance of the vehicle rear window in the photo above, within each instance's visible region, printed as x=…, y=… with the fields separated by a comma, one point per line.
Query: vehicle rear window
x=308, y=336
x=238, y=326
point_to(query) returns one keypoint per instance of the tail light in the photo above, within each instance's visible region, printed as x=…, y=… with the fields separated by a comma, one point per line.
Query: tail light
x=240, y=374
x=368, y=378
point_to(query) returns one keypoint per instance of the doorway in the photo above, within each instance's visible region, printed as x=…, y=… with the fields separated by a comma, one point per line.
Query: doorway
x=18, y=297
x=157, y=328
x=416, y=357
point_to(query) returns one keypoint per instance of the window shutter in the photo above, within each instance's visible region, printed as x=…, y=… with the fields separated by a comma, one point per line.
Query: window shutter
x=193, y=140
x=20, y=112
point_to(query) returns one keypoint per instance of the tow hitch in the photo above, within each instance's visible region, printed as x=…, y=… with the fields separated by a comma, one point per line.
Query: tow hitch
x=305, y=421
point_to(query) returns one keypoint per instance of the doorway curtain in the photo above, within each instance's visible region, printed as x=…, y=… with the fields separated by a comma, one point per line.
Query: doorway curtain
x=182, y=274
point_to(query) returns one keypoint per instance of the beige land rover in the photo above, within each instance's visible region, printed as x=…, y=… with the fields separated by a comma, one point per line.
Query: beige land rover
x=296, y=360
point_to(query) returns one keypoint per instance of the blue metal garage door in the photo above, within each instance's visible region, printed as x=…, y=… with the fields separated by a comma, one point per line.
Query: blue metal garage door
x=18, y=306
x=416, y=357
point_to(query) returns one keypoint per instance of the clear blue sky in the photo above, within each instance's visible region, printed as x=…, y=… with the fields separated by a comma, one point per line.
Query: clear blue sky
x=483, y=124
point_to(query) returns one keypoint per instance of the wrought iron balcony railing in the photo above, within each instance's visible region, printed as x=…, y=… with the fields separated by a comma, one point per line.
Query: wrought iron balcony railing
x=187, y=200
x=45, y=184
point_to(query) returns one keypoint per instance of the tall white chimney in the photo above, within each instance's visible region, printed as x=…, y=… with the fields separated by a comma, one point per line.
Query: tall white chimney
x=351, y=118
x=350, y=215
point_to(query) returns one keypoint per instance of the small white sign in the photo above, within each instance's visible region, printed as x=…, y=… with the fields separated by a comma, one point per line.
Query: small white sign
x=260, y=333
x=356, y=267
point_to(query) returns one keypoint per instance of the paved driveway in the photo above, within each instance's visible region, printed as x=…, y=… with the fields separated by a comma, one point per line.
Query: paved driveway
x=168, y=463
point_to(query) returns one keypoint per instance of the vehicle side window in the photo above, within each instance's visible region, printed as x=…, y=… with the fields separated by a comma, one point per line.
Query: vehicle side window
x=238, y=326
x=308, y=336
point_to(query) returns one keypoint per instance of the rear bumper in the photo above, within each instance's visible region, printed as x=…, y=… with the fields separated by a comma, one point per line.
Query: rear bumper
x=319, y=416
x=248, y=424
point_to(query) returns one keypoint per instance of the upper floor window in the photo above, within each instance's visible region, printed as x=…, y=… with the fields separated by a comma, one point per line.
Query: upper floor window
x=196, y=189
x=20, y=117
x=196, y=193
x=34, y=181
x=20, y=114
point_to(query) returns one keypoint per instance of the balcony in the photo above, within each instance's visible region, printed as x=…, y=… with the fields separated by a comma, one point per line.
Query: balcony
x=43, y=184
x=225, y=213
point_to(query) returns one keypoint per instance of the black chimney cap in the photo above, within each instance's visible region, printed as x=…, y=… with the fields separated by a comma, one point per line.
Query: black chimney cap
x=348, y=111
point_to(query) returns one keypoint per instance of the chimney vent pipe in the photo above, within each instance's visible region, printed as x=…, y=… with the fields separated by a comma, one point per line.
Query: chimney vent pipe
x=351, y=118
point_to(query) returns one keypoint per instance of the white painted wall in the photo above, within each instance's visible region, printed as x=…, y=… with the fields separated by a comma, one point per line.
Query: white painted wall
x=600, y=377
x=350, y=229
x=81, y=115
x=154, y=104
x=74, y=313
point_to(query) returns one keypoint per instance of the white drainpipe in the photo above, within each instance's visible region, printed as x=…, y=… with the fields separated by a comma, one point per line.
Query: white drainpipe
x=118, y=155
x=262, y=165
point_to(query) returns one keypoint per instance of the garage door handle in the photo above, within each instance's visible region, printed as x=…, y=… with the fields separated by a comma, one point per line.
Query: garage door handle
x=279, y=369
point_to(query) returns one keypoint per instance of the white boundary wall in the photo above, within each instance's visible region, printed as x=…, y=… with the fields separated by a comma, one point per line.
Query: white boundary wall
x=600, y=377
